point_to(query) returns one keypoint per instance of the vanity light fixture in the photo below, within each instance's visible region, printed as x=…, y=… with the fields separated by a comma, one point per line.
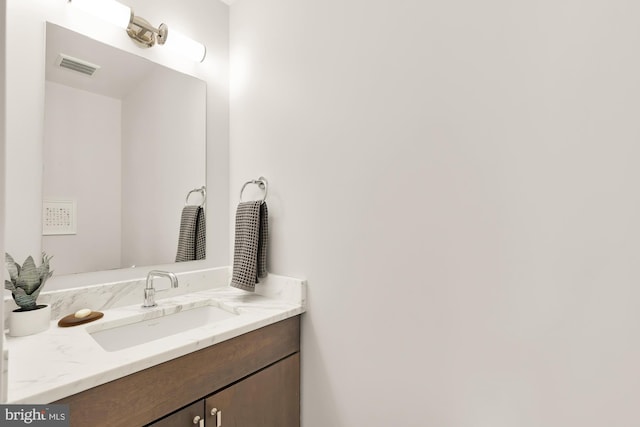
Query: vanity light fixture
x=140, y=30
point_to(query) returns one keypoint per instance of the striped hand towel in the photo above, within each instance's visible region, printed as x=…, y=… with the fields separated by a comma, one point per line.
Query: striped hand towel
x=250, y=249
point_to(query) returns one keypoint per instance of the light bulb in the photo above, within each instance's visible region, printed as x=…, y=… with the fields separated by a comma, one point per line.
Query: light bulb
x=185, y=46
x=108, y=10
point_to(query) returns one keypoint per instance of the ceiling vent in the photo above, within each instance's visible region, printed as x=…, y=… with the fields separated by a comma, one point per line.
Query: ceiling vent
x=75, y=64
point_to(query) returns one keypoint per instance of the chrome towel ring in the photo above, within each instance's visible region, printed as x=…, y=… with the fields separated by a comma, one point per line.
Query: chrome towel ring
x=202, y=190
x=261, y=183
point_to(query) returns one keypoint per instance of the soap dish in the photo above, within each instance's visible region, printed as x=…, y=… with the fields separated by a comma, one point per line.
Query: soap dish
x=71, y=320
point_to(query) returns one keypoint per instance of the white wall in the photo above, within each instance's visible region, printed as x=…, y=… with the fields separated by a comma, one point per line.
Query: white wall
x=3, y=11
x=204, y=20
x=153, y=188
x=82, y=152
x=458, y=183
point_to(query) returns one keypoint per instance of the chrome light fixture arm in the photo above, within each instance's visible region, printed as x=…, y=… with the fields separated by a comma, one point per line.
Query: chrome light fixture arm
x=144, y=34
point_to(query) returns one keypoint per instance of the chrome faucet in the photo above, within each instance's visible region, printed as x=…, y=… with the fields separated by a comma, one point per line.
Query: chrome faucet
x=150, y=291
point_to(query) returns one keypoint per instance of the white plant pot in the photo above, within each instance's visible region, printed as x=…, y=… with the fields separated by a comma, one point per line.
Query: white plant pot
x=30, y=322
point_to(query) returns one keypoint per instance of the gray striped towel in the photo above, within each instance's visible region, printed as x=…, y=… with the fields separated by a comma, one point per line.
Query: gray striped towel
x=192, y=243
x=250, y=249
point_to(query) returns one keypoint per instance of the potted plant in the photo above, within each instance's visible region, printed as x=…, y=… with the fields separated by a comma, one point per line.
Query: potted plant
x=25, y=286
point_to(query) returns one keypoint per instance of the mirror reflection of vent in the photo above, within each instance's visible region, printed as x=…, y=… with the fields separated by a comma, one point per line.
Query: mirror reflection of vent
x=75, y=64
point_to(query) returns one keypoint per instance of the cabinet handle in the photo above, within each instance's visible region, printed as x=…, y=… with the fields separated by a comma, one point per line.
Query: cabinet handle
x=199, y=421
x=218, y=415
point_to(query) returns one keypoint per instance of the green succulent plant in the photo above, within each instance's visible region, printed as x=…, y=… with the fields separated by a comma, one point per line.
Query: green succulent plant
x=27, y=281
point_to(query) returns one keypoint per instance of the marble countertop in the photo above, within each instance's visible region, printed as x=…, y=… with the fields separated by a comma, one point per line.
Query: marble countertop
x=60, y=362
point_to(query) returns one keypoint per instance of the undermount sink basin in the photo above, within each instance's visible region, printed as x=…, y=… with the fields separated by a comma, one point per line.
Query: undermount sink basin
x=125, y=336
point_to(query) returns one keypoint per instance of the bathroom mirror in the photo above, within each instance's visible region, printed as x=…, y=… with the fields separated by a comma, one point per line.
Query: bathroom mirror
x=124, y=145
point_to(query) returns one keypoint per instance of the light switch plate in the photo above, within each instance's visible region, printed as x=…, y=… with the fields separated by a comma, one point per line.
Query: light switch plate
x=58, y=217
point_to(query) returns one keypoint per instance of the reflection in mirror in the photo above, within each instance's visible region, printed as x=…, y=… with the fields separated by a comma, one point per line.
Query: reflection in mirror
x=122, y=150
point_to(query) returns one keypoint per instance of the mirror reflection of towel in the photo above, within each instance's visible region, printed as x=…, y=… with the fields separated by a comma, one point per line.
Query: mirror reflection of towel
x=192, y=244
x=250, y=249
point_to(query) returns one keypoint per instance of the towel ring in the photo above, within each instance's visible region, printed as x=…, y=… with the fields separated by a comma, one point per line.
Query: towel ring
x=202, y=190
x=260, y=182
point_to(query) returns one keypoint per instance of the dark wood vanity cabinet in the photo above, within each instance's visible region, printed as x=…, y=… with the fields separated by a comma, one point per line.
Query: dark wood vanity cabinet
x=248, y=381
x=268, y=398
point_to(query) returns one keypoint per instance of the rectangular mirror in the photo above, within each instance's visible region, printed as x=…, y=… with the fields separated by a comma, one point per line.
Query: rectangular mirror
x=123, y=148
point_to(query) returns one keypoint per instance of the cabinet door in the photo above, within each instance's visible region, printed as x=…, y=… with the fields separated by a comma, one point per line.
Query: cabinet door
x=268, y=398
x=184, y=417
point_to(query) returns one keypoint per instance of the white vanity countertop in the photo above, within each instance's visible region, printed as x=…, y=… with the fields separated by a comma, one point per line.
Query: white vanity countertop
x=60, y=362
